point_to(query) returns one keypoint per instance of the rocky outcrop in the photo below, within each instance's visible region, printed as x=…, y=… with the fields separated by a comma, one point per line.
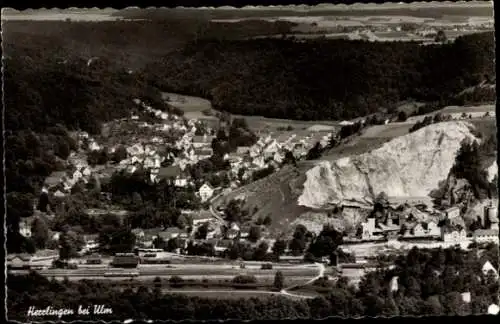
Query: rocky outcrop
x=408, y=166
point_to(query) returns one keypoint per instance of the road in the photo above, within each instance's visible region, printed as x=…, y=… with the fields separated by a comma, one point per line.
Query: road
x=320, y=274
x=213, y=211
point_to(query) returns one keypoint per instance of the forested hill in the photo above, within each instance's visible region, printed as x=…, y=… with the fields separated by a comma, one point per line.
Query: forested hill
x=323, y=79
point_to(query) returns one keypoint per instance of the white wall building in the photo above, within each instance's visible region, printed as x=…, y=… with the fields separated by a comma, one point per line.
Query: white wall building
x=206, y=192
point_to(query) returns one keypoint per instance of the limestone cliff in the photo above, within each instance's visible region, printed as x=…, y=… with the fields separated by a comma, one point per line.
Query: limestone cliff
x=408, y=166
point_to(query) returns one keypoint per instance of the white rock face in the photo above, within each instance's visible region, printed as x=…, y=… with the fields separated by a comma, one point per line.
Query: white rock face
x=407, y=166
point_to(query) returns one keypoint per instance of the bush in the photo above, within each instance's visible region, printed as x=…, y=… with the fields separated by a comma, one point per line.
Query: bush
x=267, y=266
x=157, y=282
x=207, y=112
x=176, y=281
x=244, y=279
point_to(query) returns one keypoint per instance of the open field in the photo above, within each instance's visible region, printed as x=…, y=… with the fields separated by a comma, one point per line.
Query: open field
x=221, y=294
x=370, y=139
x=477, y=112
x=193, y=108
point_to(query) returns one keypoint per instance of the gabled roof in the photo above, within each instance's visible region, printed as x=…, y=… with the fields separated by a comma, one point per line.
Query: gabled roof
x=23, y=256
x=171, y=230
x=206, y=184
x=121, y=260
x=487, y=266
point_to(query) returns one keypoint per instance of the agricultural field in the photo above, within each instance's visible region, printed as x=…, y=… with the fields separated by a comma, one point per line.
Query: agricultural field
x=197, y=108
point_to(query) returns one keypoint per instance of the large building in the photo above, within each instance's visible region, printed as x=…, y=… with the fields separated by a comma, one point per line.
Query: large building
x=485, y=235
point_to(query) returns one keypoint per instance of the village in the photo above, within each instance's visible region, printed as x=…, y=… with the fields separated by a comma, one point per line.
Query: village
x=165, y=145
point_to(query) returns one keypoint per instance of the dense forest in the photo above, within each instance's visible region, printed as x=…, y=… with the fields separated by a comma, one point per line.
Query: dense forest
x=323, y=79
x=430, y=282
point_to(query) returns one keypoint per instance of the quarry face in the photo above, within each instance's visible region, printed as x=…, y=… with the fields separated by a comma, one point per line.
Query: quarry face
x=408, y=166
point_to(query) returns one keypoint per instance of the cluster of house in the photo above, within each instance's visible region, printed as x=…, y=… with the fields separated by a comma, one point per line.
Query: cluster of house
x=157, y=112
x=194, y=148
x=399, y=225
x=270, y=150
x=60, y=183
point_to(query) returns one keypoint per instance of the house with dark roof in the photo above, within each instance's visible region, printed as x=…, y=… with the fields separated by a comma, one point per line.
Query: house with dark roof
x=222, y=246
x=94, y=259
x=200, y=217
x=125, y=261
x=54, y=178
x=170, y=233
x=19, y=261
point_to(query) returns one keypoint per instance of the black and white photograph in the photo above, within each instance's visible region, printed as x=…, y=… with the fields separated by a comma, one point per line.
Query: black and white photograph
x=252, y=163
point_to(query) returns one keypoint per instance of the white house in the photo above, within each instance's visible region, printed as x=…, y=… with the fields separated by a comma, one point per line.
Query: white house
x=180, y=182
x=254, y=151
x=278, y=157
x=77, y=175
x=259, y=161
x=94, y=146
x=206, y=192
x=452, y=212
x=433, y=229
x=240, y=150
x=60, y=194
x=86, y=171
x=56, y=235
x=394, y=284
x=466, y=297
x=271, y=149
x=453, y=235
x=24, y=229
x=418, y=230
x=368, y=228
x=487, y=267
x=131, y=168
